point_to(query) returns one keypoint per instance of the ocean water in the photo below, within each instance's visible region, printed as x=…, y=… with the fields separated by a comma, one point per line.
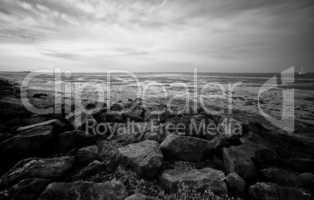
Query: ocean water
x=216, y=91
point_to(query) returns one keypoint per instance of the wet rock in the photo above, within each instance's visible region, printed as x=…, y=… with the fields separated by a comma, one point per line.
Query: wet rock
x=236, y=184
x=269, y=191
x=28, y=189
x=49, y=168
x=144, y=157
x=139, y=196
x=206, y=178
x=279, y=176
x=239, y=159
x=186, y=148
x=84, y=191
x=87, y=154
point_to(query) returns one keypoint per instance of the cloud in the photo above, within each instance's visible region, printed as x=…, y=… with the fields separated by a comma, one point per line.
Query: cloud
x=229, y=35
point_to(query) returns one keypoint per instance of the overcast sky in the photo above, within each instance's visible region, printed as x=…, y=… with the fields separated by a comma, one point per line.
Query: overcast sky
x=157, y=35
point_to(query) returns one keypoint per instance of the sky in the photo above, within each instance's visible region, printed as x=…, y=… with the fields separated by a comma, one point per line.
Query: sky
x=157, y=35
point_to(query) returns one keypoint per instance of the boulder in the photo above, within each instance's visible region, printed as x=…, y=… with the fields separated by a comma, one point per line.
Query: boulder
x=87, y=154
x=269, y=191
x=49, y=168
x=206, y=178
x=186, y=148
x=144, y=157
x=239, y=159
x=279, y=176
x=139, y=196
x=34, y=141
x=236, y=184
x=90, y=170
x=28, y=189
x=80, y=190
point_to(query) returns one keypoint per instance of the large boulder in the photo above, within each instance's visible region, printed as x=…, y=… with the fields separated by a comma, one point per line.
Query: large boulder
x=28, y=189
x=206, y=178
x=270, y=191
x=239, y=159
x=49, y=168
x=84, y=191
x=144, y=157
x=186, y=148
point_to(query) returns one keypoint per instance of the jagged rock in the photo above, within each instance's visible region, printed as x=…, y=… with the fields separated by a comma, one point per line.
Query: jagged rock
x=269, y=191
x=279, y=176
x=206, y=178
x=87, y=154
x=28, y=189
x=49, y=168
x=90, y=170
x=139, y=196
x=236, y=184
x=144, y=157
x=186, y=148
x=239, y=159
x=84, y=191
x=306, y=180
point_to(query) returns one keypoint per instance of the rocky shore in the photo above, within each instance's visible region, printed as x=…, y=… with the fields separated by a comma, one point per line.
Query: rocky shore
x=52, y=157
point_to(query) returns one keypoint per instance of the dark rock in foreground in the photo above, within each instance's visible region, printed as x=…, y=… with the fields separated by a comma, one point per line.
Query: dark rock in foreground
x=28, y=189
x=144, y=157
x=206, y=178
x=84, y=191
x=50, y=168
x=269, y=191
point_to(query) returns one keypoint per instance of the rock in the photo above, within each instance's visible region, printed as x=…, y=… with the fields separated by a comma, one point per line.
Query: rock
x=269, y=191
x=28, y=189
x=236, y=184
x=239, y=159
x=186, y=148
x=306, y=180
x=87, y=154
x=49, y=168
x=154, y=136
x=139, y=196
x=90, y=170
x=117, y=107
x=69, y=140
x=35, y=141
x=279, y=176
x=84, y=191
x=144, y=157
x=206, y=178
x=108, y=153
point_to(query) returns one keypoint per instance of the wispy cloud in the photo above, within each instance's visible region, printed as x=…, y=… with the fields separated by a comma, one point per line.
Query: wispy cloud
x=229, y=35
